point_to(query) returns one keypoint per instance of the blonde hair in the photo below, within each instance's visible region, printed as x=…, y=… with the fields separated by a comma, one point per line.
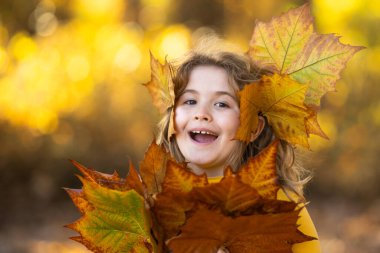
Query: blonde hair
x=241, y=71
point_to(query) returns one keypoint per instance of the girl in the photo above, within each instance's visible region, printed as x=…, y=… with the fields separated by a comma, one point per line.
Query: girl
x=206, y=87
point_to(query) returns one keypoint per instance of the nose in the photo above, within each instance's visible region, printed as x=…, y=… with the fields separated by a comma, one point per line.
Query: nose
x=202, y=115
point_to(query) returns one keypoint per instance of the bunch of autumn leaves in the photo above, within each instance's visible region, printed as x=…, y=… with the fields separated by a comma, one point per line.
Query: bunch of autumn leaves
x=169, y=207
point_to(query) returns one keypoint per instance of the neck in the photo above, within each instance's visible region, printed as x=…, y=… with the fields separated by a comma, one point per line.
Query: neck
x=216, y=171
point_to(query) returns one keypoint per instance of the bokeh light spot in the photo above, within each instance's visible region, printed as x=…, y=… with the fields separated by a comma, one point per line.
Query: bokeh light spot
x=78, y=68
x=46, y=24
x=128, y=57
x=175, y=42
x=22, y=46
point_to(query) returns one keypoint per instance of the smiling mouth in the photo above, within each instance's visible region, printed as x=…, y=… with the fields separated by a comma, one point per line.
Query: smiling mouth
x=203, y=136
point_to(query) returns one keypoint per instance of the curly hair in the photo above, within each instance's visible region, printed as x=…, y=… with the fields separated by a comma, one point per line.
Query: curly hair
x=241, y=71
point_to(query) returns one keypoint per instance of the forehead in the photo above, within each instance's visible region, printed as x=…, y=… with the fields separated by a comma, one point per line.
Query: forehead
x=210, y=77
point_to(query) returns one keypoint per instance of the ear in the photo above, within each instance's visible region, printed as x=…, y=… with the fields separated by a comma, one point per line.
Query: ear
x=260, y=127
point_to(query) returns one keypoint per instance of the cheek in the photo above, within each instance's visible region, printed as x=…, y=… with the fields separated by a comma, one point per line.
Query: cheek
x=231, y=122
x=179, y=118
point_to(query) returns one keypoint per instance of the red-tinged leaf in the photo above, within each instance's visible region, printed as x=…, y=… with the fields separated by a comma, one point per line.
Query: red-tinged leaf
x=260, y=172
x=116, y=222
x=153, y=167
x=208, y=230
x=230, y=195
x=319, y=64
x=77, y=196
x=111, y=181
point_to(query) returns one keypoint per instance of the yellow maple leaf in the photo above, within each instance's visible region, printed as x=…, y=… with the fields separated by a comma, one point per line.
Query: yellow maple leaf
x=161, y=88
x=289, y=45
x=281, y=100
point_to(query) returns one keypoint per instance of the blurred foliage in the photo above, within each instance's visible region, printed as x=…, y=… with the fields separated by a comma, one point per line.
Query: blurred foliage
x=69, y=89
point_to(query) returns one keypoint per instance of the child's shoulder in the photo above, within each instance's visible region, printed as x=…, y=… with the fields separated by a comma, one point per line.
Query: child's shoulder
x=306, y=226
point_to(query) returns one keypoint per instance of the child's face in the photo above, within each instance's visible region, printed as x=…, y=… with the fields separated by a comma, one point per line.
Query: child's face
x=206, y=120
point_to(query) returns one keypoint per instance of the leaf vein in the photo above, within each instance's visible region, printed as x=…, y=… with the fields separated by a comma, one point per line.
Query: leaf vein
x=316, y=62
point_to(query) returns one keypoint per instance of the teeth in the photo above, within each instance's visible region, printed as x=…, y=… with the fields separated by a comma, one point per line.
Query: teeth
x=202, y=132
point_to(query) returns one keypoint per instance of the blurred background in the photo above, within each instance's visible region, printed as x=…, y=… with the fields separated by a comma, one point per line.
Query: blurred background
x=70, y=75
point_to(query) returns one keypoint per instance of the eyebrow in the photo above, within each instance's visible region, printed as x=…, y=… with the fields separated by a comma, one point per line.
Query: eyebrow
x=220, y=93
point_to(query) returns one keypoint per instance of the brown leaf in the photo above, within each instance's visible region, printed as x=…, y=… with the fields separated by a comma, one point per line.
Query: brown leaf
x=170, y=211
x=260, y=172
x=208, y=230
x=230, y=195
x=174, y=201
x=153, y=167
x=249, y=112
x=134, y=181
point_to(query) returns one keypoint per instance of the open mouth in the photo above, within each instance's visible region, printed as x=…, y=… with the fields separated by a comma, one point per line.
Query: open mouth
x=203, y=136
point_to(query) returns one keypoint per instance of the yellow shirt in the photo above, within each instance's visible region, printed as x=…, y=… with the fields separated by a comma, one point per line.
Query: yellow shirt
x=305, y=223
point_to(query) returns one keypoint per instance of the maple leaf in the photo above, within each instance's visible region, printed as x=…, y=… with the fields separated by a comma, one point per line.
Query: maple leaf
x=114, y=181
x=114, y=215
x=161, y=86
x=161, y=89
x=281, y=100
x=208, y=230
x=260, y=172
x=179, y=179
x=114, y=220
x=289, y=45
x=153, y=167
x=313, y=127
x=230, y=195
x=174, y=201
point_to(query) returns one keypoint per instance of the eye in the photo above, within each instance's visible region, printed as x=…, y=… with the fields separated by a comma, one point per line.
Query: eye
x=190, y=102
x=222, y=105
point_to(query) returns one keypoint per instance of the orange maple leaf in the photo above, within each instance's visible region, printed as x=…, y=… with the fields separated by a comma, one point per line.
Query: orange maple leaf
x=260, y=172
x=208, y=230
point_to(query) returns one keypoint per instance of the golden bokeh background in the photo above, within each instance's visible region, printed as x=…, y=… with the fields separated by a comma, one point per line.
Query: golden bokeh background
x=70, y=75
